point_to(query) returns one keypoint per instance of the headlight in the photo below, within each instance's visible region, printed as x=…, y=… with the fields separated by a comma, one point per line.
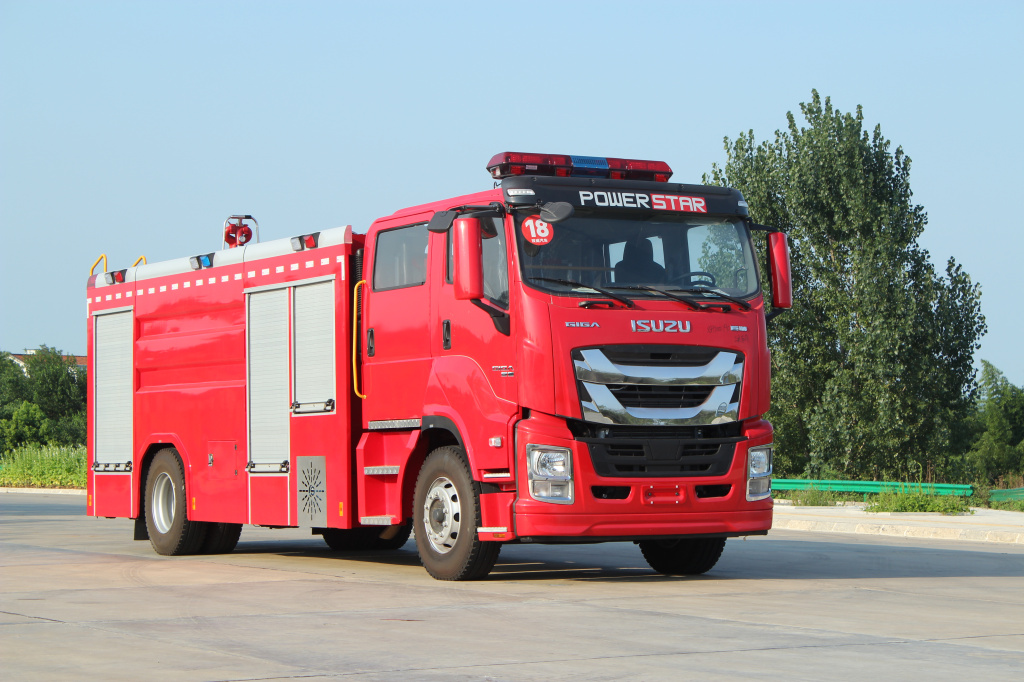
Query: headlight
x=550, y=472
x=759, y=471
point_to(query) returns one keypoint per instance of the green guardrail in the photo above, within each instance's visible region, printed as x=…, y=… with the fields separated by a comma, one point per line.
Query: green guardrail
x=1007, y=495
x=962, y=490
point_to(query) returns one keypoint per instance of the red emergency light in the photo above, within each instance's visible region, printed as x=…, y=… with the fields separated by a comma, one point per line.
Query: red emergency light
x=508, y=164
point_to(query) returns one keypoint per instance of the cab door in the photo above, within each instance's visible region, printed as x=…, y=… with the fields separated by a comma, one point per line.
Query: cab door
x=473, y=343
x=395, y=345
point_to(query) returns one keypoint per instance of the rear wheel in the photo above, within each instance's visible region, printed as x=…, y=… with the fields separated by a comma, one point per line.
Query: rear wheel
x=683, y=557
x=170, y=530
x=446, y=514
x=221, y=538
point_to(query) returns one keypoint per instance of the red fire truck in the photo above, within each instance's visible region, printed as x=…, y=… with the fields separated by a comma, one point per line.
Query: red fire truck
x=577, y=355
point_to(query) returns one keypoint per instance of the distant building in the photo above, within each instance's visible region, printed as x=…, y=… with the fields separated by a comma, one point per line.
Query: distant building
x=19, y=359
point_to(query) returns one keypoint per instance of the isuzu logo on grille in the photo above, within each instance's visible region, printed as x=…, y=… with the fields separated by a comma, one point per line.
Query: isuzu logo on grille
x=660, y=325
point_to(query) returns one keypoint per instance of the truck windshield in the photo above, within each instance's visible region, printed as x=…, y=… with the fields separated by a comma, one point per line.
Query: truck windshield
x=632, y=255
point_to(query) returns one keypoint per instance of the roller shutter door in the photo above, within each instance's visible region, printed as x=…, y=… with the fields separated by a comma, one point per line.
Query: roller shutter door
x=314, y=346
x=114, y=397
x=268, y=377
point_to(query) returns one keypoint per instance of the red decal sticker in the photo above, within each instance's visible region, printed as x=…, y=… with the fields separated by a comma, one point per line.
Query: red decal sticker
x=537, y=231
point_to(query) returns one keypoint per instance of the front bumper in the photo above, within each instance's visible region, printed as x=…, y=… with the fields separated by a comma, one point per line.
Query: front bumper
x=645, y=507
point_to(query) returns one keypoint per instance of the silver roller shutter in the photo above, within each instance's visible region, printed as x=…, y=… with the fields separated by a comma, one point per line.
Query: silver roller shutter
x=268, y=377
x=114, y=397
x=314, y=346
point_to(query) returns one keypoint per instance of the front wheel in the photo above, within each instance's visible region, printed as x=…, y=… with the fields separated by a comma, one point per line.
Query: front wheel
x=683, y=557
x=170, y=530
x=446, y=514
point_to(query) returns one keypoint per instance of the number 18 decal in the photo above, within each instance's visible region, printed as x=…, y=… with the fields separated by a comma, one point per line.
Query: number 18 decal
x=537, y=231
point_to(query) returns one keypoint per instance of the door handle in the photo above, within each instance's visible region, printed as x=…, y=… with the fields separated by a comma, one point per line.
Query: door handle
x=446, y=335
x=369, y=343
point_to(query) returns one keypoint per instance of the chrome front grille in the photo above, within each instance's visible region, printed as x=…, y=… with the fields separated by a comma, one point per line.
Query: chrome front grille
x=636, y=395
x=658, y=385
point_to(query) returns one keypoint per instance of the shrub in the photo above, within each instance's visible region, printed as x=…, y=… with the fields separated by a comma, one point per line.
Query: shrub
x=44, y=466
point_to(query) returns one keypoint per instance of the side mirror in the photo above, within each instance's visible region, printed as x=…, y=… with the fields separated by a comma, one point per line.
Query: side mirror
x=441, y=221
x=556, y=211
x=468, y=251
x=782, y=280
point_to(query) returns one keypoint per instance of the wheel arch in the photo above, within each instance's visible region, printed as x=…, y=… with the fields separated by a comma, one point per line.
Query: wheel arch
x=156, y=443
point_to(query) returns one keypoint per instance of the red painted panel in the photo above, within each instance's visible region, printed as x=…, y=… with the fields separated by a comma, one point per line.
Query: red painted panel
x=269, y=499
x=218, y=482
x=112, y=494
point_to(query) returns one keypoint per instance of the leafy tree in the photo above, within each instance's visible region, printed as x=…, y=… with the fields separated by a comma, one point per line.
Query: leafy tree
x=57, y=383
x=27, y=424
x=46, y=405
x=999, y=449
x=14, y=386
x=872, y=369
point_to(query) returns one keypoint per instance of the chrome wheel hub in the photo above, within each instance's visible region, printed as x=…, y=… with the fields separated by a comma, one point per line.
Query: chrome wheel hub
x=442, y=515
x=163, y=502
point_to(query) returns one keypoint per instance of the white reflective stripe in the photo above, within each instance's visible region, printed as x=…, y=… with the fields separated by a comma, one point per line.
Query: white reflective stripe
x=268, y=377
x=113, y=385
x=313, y=341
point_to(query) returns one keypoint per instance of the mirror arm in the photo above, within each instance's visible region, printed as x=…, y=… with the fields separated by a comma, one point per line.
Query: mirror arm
x=442, y=220
x=502, y=321
x=775, y=312
x=762, y=228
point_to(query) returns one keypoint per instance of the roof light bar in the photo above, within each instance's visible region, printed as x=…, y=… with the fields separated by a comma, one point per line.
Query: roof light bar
x=508, y=164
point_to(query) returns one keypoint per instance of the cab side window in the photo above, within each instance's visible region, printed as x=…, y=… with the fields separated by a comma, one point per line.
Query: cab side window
x=400, y=259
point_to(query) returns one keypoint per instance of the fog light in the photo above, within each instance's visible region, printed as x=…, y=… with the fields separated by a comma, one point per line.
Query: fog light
x=759, y=471
x=759, y=488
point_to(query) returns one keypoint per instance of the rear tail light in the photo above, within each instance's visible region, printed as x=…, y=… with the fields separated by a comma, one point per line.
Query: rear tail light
x=306, y=241
x=508, y=164
x=114, y=277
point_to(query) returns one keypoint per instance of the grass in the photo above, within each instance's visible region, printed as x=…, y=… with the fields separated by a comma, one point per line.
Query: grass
x=1008, y=505
x=813, y=497
x=909, y=501
x=43, y=466
x=896, y=501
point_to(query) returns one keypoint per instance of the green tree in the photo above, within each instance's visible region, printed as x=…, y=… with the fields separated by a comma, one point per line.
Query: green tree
x=57, y=383
x=999, y=449
x=872, y=369
x=27, y=424
x=14, y=387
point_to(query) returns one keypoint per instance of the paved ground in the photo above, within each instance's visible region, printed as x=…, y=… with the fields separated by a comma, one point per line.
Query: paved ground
x=79, y=599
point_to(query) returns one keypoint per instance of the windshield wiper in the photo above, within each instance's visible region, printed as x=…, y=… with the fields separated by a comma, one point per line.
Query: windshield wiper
x=573, y=283
x=683, y=299
x=721, y=294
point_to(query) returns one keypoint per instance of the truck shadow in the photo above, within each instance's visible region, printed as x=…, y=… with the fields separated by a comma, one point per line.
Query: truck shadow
x=756, y=559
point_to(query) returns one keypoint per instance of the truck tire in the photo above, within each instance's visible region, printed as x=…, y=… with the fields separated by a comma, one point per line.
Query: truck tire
x=170, y=531
x=683, y=557
x=446, y=514
x=221, y=538
x=352, y=539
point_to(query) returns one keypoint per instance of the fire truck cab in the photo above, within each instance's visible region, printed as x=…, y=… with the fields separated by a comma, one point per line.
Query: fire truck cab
x=577, y=355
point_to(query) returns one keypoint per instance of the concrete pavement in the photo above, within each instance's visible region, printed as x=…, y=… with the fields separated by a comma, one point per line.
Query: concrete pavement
x=80, y=600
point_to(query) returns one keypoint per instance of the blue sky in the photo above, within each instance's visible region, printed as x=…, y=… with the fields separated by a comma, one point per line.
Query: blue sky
x=136, y=127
